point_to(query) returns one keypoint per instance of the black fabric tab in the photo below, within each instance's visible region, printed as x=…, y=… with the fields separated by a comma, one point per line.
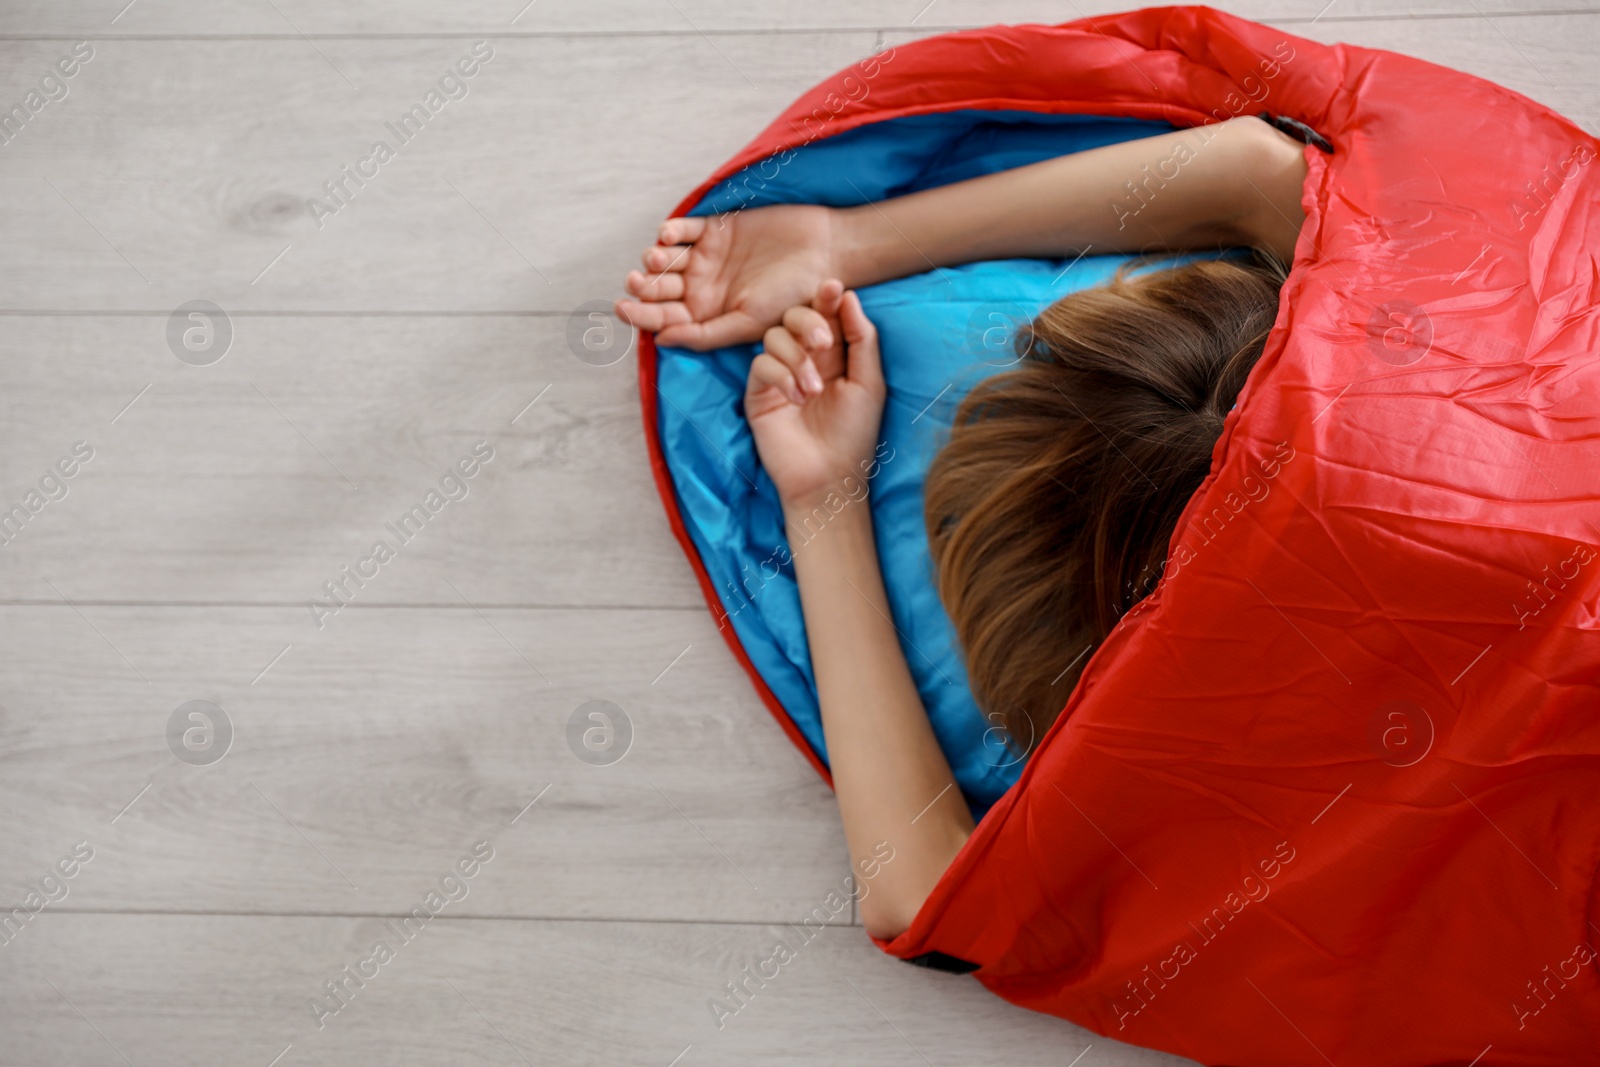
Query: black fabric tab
x=939, y=961
x=1298, y=130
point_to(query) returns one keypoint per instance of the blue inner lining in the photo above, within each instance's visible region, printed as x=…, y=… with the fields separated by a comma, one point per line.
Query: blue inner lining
x=941, y=333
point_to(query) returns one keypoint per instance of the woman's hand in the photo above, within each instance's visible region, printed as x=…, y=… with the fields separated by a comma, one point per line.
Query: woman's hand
x=722, y=280
x=814, y=405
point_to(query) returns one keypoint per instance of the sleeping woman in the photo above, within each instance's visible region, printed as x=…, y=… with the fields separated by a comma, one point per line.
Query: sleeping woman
x=1050, y=509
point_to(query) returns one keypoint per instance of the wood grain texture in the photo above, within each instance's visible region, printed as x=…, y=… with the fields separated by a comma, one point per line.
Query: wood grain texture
x=151, y=184
x=184, y=991
x=145, y=188
x=375, y=752
x=259, y=477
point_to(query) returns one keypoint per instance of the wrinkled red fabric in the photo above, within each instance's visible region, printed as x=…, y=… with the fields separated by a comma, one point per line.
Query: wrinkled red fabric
x=1331, y=793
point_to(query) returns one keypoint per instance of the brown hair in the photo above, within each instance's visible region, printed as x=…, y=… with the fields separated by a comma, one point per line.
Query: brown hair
x=1050, y=509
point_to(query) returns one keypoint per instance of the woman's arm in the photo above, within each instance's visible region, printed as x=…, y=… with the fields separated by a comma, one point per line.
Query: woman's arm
x=721, y=281
x=1235, y=183
x=814, y=412
x=891, y=778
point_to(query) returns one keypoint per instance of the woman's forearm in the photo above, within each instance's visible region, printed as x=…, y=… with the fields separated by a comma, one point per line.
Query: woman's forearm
x=1234, y=183
x=893, y=783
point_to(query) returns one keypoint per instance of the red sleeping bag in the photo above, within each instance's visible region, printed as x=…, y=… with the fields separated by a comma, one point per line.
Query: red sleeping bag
x=1331, y=793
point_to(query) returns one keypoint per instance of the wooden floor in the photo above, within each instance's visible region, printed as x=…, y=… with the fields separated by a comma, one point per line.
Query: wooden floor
x=372, y=748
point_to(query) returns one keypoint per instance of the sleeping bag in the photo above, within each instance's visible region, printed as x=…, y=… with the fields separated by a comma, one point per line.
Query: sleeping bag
x=1330, y=794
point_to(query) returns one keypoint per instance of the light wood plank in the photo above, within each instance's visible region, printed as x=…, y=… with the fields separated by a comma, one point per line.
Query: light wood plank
x=240, y=17
x=192, y=990
x=180, y=169
x=374, y=754
x=573, y=190
x=228, y=482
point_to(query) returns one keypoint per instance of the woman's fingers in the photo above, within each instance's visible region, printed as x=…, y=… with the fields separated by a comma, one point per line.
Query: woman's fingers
x=656, y=286
x=767, y=371
x=660, y=259
x=782, y=344
x=730, y=328
x=682, y=231
x=828, y=297
x=810, y=326
x=864, y=364
x=654, y=316
x=675, y=327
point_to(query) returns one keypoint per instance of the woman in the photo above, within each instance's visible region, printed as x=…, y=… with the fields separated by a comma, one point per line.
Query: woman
x=1051, y=507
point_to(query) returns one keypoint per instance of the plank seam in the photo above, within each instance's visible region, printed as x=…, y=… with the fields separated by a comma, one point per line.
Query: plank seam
x=772, y=31
x=839, y=924
x=556, y=35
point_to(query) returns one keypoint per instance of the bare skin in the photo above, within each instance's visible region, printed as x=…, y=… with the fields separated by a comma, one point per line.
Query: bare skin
x=815, y=396
x=725, y=280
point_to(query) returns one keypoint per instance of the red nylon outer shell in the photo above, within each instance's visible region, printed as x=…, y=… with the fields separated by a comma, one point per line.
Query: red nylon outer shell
x=1331, y=794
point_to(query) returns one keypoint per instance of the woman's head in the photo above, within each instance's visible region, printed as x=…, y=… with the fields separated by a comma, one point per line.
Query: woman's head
x=1050, y=509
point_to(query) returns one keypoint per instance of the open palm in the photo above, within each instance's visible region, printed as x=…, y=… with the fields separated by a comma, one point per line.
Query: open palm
x=723, y=280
